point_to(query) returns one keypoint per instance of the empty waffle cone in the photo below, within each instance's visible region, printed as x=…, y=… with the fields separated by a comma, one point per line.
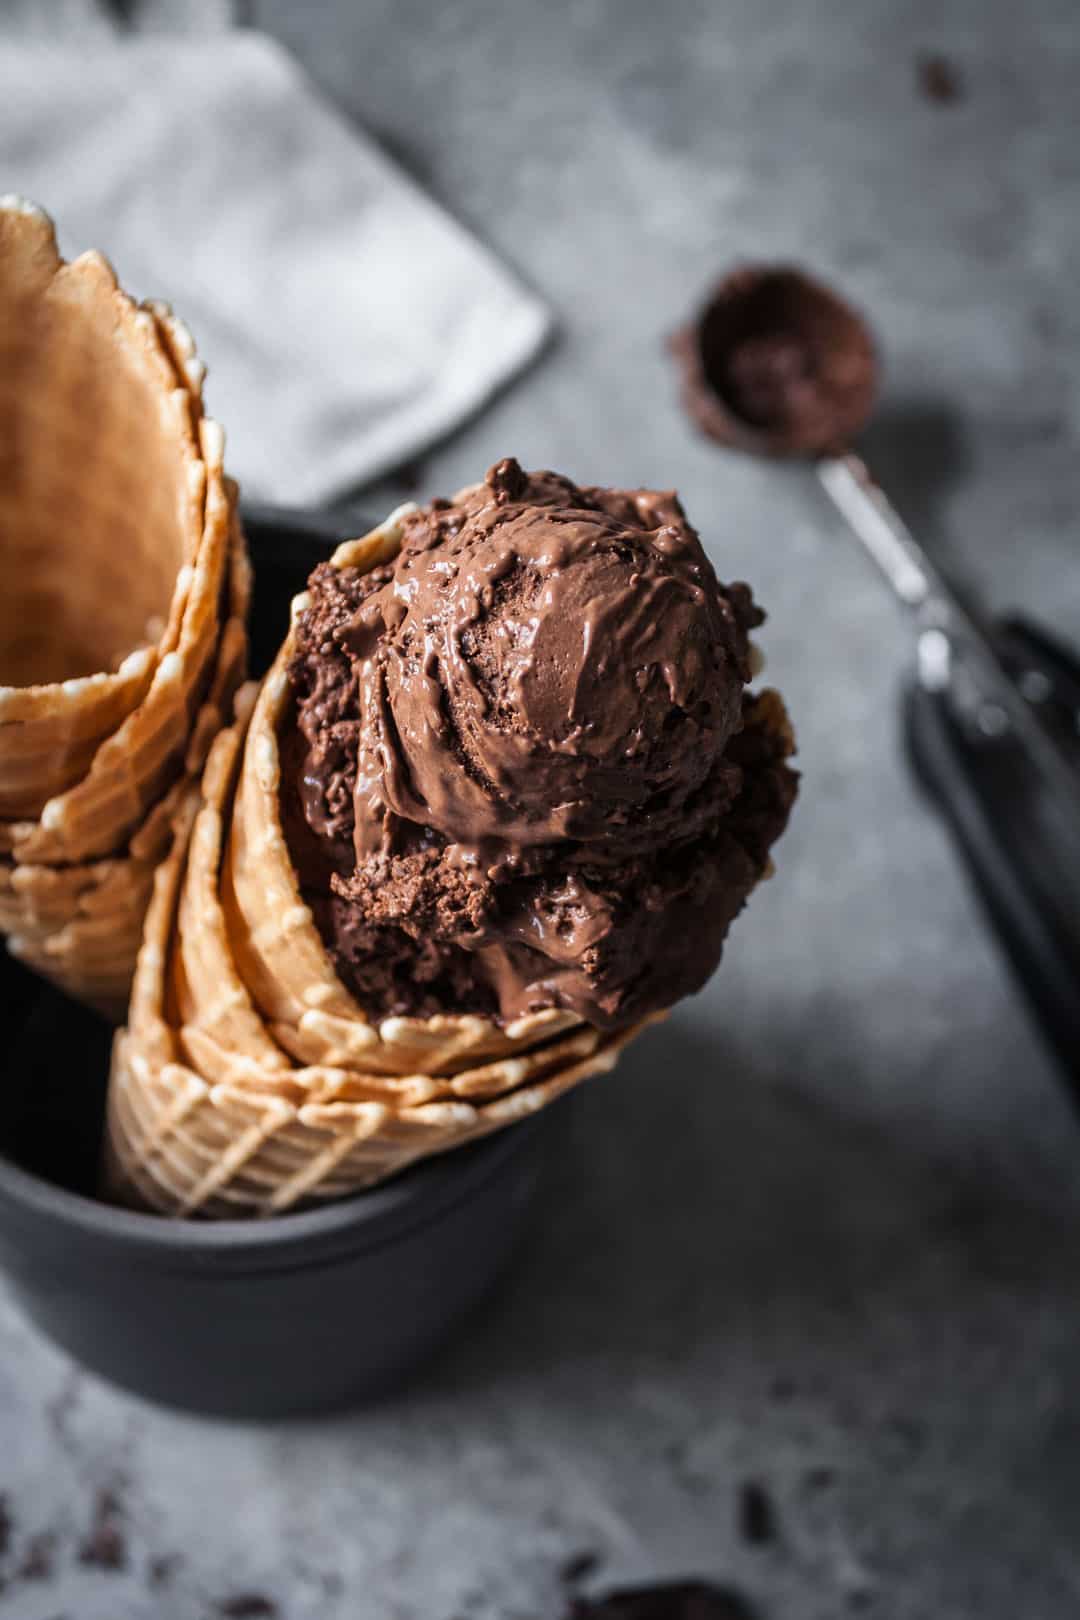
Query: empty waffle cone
x=125, y=640
x=80, y=925
x=209, y=1115
x=46, y=755
x=132, y=768
x=101, y=509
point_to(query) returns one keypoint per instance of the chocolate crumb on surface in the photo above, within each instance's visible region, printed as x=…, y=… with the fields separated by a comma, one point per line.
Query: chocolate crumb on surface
x=105, y=1547
x=757, y=1515
x=7, y=1526
x=938, y=78
x=39, y=1559
x=248, y=1606
x=579, y=1566
x=161, y=1570
x=683, y=1600
x=63, y=1405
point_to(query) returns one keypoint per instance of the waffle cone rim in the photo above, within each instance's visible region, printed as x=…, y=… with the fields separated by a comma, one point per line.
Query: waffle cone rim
x=44, y=703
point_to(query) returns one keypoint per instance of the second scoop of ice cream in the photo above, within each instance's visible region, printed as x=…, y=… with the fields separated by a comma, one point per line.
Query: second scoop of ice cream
x=515, y=763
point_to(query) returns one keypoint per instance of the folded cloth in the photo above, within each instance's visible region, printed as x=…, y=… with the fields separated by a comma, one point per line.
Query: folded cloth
x=345, y=319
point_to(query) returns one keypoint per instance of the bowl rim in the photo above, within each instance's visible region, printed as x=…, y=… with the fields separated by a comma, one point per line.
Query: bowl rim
x=364, y=1220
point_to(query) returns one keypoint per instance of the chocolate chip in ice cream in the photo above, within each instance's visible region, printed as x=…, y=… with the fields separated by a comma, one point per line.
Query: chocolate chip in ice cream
x=525, y=771
x=778, y=364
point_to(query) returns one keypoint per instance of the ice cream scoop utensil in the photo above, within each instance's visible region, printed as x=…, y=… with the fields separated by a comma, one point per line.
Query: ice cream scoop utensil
x=777, y=364
x=941, y=614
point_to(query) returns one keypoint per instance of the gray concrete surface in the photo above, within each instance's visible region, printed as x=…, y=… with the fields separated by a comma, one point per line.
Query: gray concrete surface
x=821, y=1233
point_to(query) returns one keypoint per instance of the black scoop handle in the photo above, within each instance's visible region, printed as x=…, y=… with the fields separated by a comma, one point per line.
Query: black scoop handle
x=989, y=799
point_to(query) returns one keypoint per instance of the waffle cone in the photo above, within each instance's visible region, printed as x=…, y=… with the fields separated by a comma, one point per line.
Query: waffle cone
x=209, y=1112
x=46, y=756
x=132, y=767
x=80, y=925
x=100, y=516
x=208, y=994
x=182, y=1146
x=125, y=639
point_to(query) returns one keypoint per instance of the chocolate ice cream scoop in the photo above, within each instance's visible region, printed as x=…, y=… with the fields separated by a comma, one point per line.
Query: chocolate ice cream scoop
x=778, y=364
x=544, y=663
x=523, y=775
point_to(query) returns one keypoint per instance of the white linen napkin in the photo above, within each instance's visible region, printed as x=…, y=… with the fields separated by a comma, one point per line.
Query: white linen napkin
x=345, y=319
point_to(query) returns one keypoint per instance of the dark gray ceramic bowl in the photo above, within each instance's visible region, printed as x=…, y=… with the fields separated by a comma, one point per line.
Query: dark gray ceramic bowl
x=242, y=1318
x=246, y=1319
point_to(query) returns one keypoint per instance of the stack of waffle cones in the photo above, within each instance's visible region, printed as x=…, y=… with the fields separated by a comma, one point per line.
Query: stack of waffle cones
x=122, y=624
x=248, y=1079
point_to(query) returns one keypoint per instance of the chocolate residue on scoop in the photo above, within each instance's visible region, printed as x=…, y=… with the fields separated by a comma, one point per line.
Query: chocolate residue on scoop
x=777, y=364
x=522, y=773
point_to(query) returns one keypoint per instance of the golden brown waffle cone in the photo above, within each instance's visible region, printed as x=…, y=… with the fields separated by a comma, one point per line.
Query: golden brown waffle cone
x=81, y=925
x=101, y=509
x=135, y=510
x=208, y=1115
x=132, y=767
x=182, y=1146
x=108, y=807
x=45, y=756
x=38, y=899
x=32, y=768
x=208, y=993
x=86, y=937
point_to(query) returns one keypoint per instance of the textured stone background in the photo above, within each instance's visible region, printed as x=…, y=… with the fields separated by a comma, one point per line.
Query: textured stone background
x=820, y=1238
